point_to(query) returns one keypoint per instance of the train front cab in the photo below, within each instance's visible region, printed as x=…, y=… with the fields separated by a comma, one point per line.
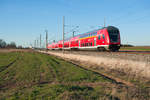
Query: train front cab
x=108, y=39
x=114, y=38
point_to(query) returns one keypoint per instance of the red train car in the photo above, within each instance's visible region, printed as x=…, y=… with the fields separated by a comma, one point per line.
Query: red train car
x=107, y=38
x=74, y=42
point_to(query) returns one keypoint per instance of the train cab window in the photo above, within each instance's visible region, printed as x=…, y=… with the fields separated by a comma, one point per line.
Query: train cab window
x=99, y=37
x=103, y=36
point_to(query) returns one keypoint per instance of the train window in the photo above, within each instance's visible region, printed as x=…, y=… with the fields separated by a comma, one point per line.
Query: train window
x=93, y=33
x=103, y=36
x=76, y=41
x=99, y=37
x=91, y=43
x=86, y=44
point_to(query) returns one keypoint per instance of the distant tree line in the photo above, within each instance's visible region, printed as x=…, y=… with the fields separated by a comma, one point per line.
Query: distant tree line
x=3, y=44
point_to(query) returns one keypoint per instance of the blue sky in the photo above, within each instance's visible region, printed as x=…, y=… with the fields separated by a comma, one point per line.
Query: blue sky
x=22, y=21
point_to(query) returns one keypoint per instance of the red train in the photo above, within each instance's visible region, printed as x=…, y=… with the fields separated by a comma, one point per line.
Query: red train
x=107, y=38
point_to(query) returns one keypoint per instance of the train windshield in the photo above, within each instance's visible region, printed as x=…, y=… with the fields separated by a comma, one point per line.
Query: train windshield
x=113, y=35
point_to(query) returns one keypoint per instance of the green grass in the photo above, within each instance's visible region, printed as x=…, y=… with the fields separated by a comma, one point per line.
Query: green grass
x=36, y=76
x=39, y=76
x=137, y=48
x=6, y=59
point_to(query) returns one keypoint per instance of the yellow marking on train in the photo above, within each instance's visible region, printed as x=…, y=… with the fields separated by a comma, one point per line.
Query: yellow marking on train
x=87, y=37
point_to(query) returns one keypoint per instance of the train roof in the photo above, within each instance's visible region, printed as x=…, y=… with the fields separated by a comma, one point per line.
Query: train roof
x=112, y=28
x=108, y=28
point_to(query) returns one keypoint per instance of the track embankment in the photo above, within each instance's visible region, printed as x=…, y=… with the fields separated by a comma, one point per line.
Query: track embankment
x=122, y=70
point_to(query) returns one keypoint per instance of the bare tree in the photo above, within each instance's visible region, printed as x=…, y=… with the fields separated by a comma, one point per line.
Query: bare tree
x=2, y=43
x=11, y=45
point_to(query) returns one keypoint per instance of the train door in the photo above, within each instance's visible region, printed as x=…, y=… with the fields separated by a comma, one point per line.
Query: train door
x=94, y=41
x=79, y=43
x=103, y=39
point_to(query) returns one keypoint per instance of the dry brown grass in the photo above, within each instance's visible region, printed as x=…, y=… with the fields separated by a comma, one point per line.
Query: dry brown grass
x=136, y=48
x=133, y=70
x=14, y=50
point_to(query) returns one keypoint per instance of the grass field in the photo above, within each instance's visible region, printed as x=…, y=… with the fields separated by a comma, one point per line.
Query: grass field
x=37, y=76
x=25, y=75
x=136, y=48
